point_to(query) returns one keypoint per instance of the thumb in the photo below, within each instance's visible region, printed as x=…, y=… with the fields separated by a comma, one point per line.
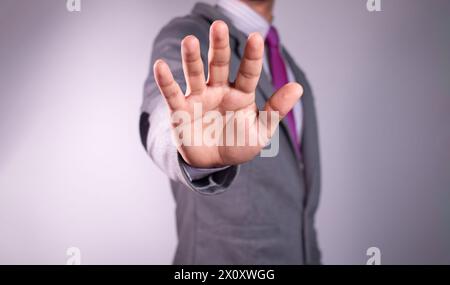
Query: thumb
x=284, y=99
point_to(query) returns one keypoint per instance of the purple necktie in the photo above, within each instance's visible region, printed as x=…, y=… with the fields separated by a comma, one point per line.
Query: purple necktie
x=279, y=74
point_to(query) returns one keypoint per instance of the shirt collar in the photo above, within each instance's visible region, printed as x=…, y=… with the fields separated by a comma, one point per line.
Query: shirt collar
x=243, y=17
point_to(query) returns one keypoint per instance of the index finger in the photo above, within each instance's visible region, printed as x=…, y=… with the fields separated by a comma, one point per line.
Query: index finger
x=251, y=64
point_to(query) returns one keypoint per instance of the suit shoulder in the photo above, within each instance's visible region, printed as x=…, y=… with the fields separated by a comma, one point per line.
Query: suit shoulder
x=180, y=27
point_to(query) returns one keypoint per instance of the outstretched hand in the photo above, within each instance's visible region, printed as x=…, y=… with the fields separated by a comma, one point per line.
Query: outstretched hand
x=216, y=95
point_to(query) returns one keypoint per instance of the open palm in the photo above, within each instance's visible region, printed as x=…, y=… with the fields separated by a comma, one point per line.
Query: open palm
x=222, y=102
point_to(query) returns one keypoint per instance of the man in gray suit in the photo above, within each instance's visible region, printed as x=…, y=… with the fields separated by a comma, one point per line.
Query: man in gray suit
x=233, y=206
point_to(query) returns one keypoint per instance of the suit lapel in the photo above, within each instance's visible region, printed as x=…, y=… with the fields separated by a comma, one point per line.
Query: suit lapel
x=310, y=140
x=291, y=64
x=299, y=78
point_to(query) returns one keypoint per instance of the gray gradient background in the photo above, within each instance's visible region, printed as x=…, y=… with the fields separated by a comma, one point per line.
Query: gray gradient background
x=73, y=172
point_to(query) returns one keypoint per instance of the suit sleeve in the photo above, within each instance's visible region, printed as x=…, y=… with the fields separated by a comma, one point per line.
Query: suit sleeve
x=155, y=130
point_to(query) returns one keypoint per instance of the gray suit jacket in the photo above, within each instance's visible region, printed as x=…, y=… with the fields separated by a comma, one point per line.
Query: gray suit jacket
x=262, y=211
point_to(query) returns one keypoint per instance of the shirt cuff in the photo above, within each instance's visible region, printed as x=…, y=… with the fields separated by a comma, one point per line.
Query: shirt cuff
x=194, y=173
x=208, y=181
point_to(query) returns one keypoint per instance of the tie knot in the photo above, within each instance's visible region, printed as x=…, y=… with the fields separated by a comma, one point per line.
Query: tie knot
x=272, y=38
